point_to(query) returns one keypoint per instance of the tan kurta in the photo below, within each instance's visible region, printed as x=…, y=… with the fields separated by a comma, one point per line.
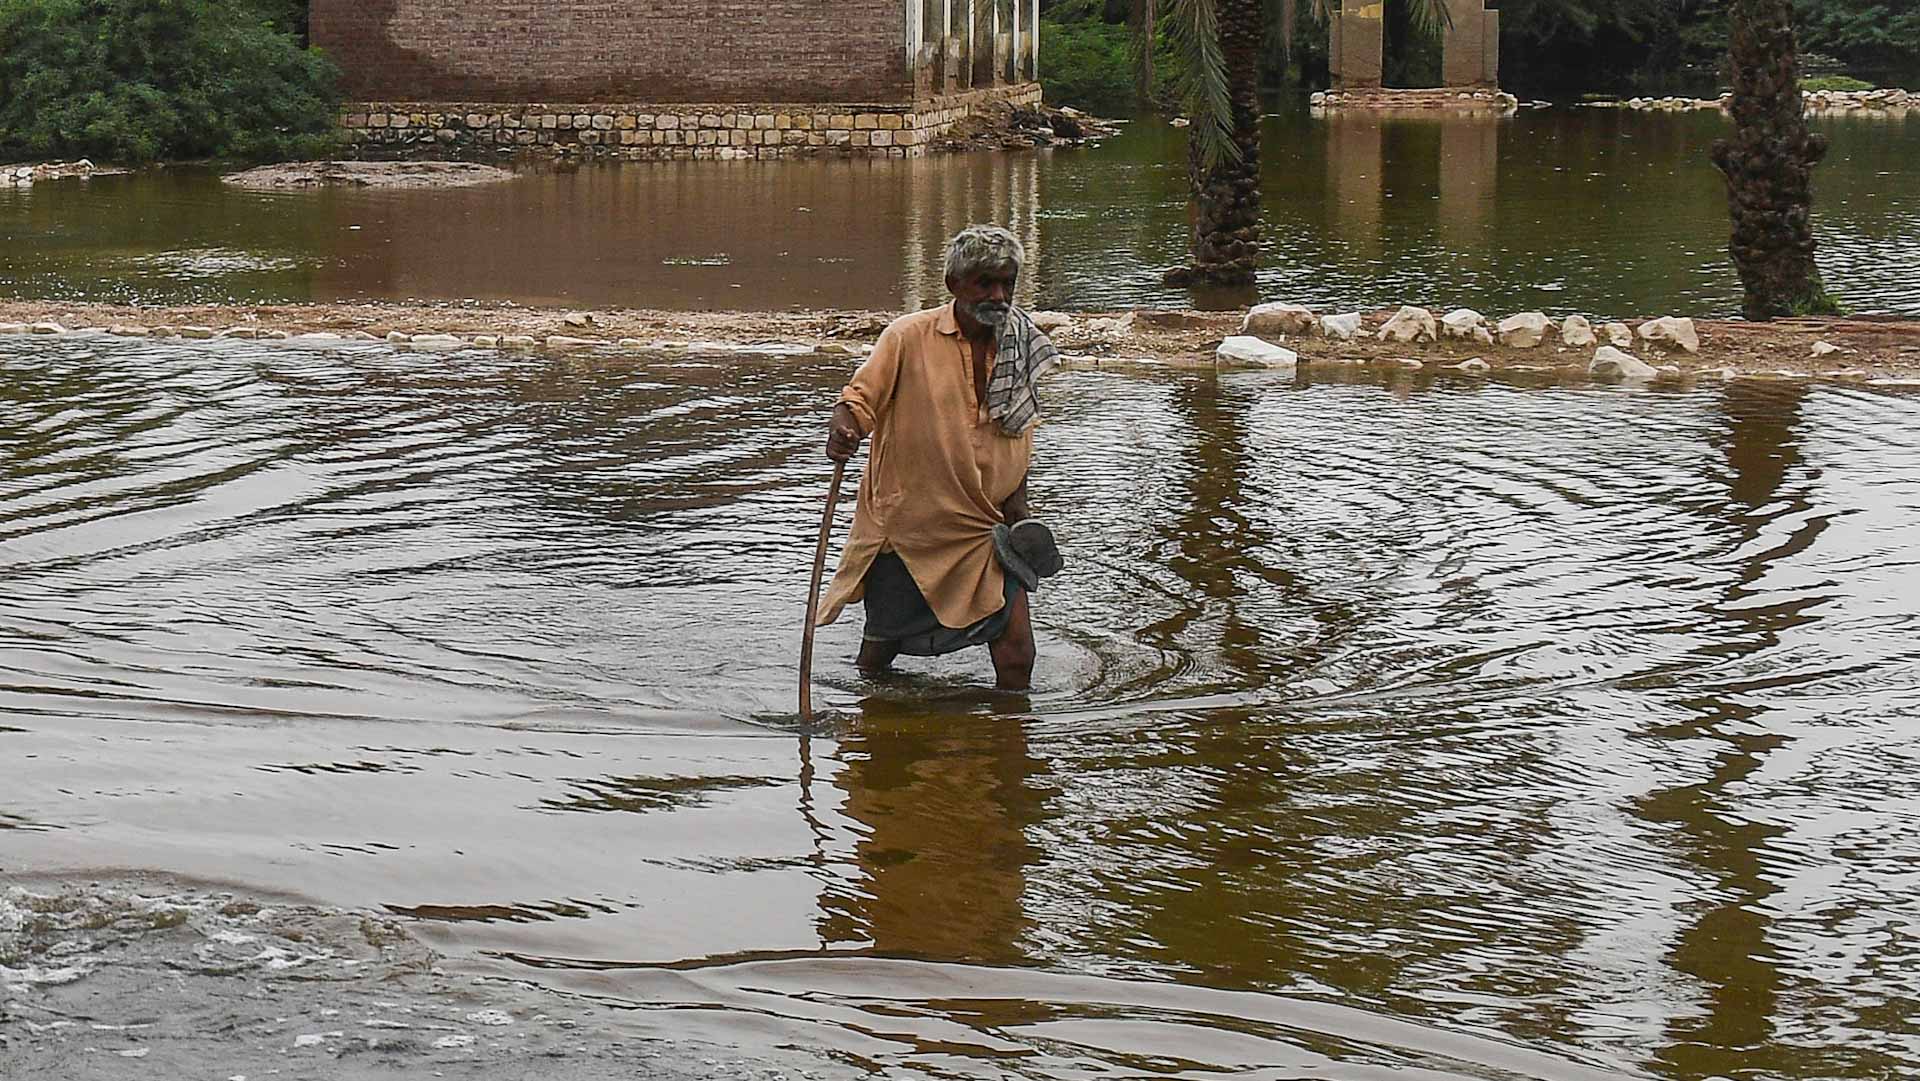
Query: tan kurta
x=938, y=470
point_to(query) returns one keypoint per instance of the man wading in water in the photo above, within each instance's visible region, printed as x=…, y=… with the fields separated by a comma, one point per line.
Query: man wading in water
x=943, y=550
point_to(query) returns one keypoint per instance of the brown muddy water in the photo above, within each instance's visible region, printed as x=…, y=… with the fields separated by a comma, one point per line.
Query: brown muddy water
x=1566, y=210
x=1398, y=725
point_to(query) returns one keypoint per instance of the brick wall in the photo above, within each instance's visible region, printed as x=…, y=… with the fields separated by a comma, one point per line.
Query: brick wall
x=617, y=50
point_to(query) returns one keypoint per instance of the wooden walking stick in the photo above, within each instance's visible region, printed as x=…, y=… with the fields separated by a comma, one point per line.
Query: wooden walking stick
x=813, y=595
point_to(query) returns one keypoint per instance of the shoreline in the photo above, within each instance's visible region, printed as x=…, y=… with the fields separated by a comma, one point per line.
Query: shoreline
x=1865, y=349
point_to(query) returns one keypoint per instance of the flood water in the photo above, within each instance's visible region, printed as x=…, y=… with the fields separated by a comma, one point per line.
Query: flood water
x=1566, y=210
x=1389, y=726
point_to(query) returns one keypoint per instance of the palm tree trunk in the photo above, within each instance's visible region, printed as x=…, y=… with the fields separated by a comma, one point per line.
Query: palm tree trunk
x=1226, y=225
x=1768, y=165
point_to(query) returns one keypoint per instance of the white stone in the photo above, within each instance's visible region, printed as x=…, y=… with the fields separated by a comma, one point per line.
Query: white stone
x=121, y=330
x=1278, y=318
x=1523, y=331
x=1111, y=328
x=1472, y=364
x=1619, y=335
x=1246, y=349
x=1461, y=323
x=1048, y=322
x=1671, y=333
x=14, y=328
x=1410, y=324
x=1825, y=349
x=486, y=341
x=197, y=333
x=560, y=343
x=318, y=336
x=49, y=328
x=1614, y=364
x=399, y=337
x=517, y=341
x=436, y=343
x=1340, y=328
x=578, y=319
x=1483, y=335
x=274, y=335
x=1409, y=362
x=240, y=332
x=1577, y=332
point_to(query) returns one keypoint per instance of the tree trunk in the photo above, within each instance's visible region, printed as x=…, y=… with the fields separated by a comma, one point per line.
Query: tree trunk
x=1226, y=224
x=1768, y=165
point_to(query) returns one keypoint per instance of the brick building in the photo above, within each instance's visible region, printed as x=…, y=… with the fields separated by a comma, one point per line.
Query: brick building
x=673, y=52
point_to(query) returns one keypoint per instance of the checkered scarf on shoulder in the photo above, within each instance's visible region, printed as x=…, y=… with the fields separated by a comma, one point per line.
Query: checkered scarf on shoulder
x=1026, y=354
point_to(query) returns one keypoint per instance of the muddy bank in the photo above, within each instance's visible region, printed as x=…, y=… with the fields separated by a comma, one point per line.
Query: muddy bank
x=1864, y=348
x=368, y=174
x=151, y=977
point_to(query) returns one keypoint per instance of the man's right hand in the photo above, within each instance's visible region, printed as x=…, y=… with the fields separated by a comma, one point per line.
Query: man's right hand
x=843, y=435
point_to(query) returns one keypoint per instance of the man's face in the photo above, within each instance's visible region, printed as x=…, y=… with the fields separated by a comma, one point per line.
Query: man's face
x=986, y=296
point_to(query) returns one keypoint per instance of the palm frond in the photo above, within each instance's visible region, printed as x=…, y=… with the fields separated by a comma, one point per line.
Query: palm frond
x=1427, y=16
x=1193, y=29
x=1146, y=39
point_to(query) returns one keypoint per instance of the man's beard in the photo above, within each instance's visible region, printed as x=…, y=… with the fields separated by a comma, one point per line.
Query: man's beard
x=991, y=313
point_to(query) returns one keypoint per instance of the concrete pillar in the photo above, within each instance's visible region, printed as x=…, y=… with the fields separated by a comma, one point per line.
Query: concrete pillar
x=951, y=47
x=1470, y=47
x=1357, y=47
x=982, y=42
x=1033, y=41
x=1019, y=46
x=1003, y=41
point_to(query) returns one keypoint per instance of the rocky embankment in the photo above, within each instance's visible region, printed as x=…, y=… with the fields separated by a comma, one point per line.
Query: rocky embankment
x=1459, y=341
x=1442, y=100
x=368, y=174
x=1463, y=340
x=1019, y=127
x=21, y=175
x=1889, y=103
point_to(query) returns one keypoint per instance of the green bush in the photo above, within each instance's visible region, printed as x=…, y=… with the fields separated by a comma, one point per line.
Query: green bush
x=135, y=81
x=1087, y=65
x=1836, y=82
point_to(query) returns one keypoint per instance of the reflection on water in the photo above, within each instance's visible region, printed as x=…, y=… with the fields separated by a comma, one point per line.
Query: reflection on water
x=1387, y=725
x=1606, y=212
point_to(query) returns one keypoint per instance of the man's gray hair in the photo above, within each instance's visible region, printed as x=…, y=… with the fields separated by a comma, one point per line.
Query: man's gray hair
x=980, y=248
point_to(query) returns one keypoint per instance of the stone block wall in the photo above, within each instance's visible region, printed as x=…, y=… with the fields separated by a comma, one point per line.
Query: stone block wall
x=667, y=51
x=661, y=131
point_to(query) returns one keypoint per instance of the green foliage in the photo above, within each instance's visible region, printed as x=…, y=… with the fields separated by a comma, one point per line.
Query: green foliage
x=1876, y=33
x=1818, y=302
x=1836, y=82
x=1088, y=65
x=136, y=81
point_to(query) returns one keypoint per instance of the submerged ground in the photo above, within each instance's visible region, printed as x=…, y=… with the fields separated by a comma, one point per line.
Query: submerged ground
x=1387, y=724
